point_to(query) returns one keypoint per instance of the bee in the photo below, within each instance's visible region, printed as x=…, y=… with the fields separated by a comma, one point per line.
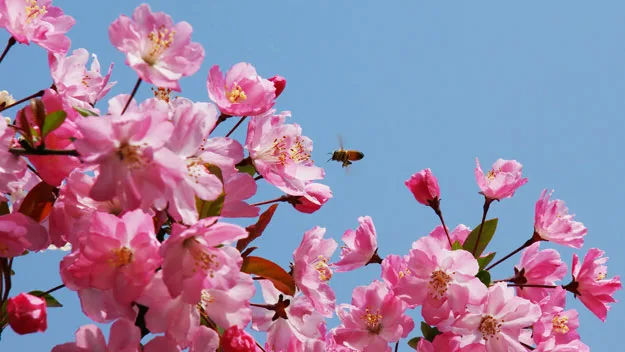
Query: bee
x=345, y=156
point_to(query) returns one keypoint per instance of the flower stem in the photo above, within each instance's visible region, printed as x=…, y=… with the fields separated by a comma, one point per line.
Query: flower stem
x=33, y=151
x=7, y=266
x=487, y=202
x=235, y=126
x=396, y=346
x=259, y=346
x=11, y=42
x=283, y=198
x=533, y=285
x=132, y=95
x=258, y=177
x=438, y=212
x=35, y=95
x=523, y=246
x=52, y=290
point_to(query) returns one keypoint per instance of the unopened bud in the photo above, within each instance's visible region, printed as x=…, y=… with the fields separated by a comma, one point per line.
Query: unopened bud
x=279, y=82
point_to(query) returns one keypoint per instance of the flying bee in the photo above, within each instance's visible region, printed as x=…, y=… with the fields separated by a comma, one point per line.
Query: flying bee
x=345, y=156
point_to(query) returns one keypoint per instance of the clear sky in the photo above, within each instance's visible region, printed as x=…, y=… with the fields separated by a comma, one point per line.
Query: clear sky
x=416, y=85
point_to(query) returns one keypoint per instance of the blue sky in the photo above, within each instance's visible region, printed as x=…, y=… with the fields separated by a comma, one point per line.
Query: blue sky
x=415, y=85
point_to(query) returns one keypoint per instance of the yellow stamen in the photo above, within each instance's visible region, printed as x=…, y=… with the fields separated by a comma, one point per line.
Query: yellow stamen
x=372, y=320
x=325, y=273
x=162, y=94
x=203, y=261
x=121, y=256
x=489, y=326
x=560, y=324
x=403, y=273
x=161, y=38
x=236, y=94
x=33, y=10
x=439, y=280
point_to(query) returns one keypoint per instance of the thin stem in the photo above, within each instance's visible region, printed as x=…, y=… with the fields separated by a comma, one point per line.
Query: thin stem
x=20, y=151
x=523, y=246
x=132, y=95
x=396, y=346
x=440, y=216
x=266, y=306
x=258, y=177
x=276, y=200
x=34, y=95
x=487, y=202
x=533, y=285
x=7, y=280
x=53, y=289
x=259, y=346
x=11, y=42
x=235, y=126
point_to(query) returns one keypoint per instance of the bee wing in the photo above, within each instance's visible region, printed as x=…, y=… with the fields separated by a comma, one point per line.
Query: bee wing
x=340, y=138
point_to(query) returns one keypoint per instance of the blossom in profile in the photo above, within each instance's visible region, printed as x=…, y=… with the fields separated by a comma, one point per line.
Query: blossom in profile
x=502, y=180
x=552, y=222
x=360, y=246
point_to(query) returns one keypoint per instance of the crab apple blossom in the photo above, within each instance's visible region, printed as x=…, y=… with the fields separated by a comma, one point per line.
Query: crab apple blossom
x=193, y=261
x=459, y=234
x=373, y=319
x=439, y=276
x=552, y=346
x=134, y=164
x=238, y=187
x=290, y=317
x=101, y=305
x=12, y=167
x=37, y=21
x=552, y=222
x=281, y=154
x=117, y=253
x=498, y=321
x=317, y=194
x=160, y=51
x=360, y=246
x=79, y=86
x=501, y=181
x=235, y=339
x=394, y=271
x=228, y=303
x=538, y=267
x=424, y=187
x=590, y=284
x=311, y=270
x=242, y=92
x=124, y=336
x=18, y=233
x=27, y=313
x=447, y=342
x=554, y=321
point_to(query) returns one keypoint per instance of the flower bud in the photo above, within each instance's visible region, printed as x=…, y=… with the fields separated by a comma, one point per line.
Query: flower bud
x=27, y=314
x=317, y=195
x=424, y=186
x=279, y=82
x=235, y=339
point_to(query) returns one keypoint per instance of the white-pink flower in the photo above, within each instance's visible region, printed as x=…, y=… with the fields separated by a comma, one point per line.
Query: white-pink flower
x=502, y=180
x=552, y=222
x=360, y=246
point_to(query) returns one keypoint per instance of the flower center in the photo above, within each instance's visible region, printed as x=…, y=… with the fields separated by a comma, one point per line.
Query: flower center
x=439, y=281
x=403, y=273
x=489, y=326
x=33, y=11
x=121, y=256
x=161, y=39
x=85, y=80
x=560, y=324
x=372, y=320
x=236, y=94
x=162, y=94
x=202, y=260
x=322, y=267
x=130, y=155
x=601, y=276
x=195, y=169
x=491, y=174
x=297, y=151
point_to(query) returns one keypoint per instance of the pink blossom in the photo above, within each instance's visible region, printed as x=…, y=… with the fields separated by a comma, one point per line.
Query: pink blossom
x=117, y=253
x=239, y=187
x=54, y=168
x=37, y=21
x=160, y=52
x=552, y=346
x=279, y=83
x=395, y=271
x=447, y=342
x=439, y=276
x=235, y=339
x=162, y=343
x=281, y=154
x=360, y=246
x=590, y=283
x=317, y=194
x=538, y=268
x=193, y=262
x=424, y=187
x=27, y=313
x=242, y=92
x=18, y=233
x=12, y=167
x=311, y=271
x=501, y=181
x=459, y=234
x=228, y=303
x=81, y=87
x=375, y=318
x=134, y=164
x=300, y=318
x=124, y=337
x=20, y=188
x=101, y=305
x=552, y=222
x=554, y=321
x=498, y=321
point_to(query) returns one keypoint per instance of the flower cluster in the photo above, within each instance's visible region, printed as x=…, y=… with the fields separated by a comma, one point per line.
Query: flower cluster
x=140, y=194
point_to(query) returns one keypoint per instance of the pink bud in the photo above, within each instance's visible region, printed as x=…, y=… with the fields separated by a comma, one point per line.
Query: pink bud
x=27, y=314
x=236, y=339
x=424, y=186
x=316, y=196
x=279, y=82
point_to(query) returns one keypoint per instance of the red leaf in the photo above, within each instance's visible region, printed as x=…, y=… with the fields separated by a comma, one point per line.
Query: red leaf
x=270, y=271
x=39, y=201
x=254, y=231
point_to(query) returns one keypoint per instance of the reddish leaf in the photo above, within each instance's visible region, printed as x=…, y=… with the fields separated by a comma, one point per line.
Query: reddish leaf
x=254, y=231
x=39, y=201
x=270, y=271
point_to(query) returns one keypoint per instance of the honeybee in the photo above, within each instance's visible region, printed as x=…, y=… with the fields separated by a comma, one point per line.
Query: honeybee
x=345, y=156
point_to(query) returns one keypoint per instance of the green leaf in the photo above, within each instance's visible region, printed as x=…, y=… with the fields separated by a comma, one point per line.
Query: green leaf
x=413, y=342
x=247, y=169
x=270, y=271
x=484, y=276
x=485, y=260
x=457, y=245
x=51, y=302
x=211, y=208
x=53, y=121
x=85, y=112
x=429, y=333
x=487, y=234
